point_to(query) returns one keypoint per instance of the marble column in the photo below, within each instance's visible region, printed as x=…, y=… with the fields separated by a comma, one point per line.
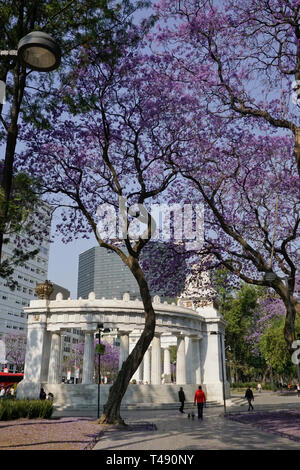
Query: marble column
x=193, y=360
x=156, y=360
x=88, y=358
x=189, y=360
x=54, y=361
x=138, y=375
x=124, y=347
x=198, y=378
x=37, y=352
x=167, y=365
x=180, y=361
x=147, y=367
x=45, y=357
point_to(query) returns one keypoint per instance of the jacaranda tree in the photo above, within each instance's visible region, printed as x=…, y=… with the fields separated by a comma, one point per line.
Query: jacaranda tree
x=110, y=155
x=238, y=63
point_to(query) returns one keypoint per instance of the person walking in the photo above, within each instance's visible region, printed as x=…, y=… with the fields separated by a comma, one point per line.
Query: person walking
x=200, y=399
x=249, y=396
x=42, y=394
x=181, y=397
x=259, y=388
x=298, y=390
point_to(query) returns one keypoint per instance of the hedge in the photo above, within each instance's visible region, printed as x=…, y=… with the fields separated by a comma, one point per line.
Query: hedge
x=265, y=386
x=15, y=409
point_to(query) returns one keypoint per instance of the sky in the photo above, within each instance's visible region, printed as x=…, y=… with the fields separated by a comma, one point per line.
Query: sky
x=63, y=262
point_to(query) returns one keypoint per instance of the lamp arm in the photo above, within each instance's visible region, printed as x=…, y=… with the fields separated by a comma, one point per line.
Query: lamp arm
x=10, y=53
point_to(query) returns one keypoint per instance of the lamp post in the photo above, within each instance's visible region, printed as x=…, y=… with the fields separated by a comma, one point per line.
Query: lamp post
x=36, y=51
x=229, y=349
x=105, y=330
x=61, y=355
x=222, y=364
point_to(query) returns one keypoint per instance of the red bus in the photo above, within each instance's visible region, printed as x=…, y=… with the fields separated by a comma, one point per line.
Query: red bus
x=7, y=379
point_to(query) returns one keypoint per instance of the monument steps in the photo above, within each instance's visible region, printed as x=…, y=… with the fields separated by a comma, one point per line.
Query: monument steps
x=157, y=406
x=82, y=396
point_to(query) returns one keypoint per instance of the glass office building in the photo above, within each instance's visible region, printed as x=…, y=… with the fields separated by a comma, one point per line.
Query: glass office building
x=103, y=272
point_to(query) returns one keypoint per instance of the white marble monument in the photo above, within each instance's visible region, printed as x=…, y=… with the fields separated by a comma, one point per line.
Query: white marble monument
x=197, y=332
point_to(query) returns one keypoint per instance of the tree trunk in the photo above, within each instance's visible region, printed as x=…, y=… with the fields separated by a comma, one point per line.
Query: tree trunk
x=11, y=141
x=289, y=326
x=111, y=413
x=292, y=309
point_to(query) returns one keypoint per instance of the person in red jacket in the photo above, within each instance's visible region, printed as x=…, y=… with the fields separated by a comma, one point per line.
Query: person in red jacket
x=200, y=399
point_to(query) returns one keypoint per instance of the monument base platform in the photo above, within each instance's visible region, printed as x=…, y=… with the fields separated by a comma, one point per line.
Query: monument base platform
x=81, y=396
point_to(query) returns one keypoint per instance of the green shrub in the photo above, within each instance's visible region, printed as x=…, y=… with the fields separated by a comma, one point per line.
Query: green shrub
x=244, y=384
x=15, y=409
x=253, y=385
x=268, y=386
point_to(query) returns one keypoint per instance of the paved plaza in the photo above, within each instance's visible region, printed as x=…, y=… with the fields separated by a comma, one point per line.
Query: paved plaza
x=161, y=429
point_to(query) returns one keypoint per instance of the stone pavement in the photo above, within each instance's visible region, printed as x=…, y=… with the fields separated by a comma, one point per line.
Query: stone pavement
x=174, y=431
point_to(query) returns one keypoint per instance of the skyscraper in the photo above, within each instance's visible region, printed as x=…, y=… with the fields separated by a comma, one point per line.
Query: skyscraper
x=103, y=272
x=33, y=271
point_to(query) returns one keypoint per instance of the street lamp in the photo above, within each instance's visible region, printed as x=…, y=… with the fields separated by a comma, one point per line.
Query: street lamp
x=223, y=365
x=37, y=51
x=104, y=330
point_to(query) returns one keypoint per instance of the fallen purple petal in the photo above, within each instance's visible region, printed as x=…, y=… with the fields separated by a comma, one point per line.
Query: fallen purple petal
x=282, y=423
x=49, y=434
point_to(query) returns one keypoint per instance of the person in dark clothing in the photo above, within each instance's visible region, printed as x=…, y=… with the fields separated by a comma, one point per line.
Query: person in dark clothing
x=42, y=394
x=181, y=397
x=249, y=396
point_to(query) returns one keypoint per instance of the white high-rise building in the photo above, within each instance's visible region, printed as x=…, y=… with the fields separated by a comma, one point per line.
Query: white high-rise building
x=33, y=271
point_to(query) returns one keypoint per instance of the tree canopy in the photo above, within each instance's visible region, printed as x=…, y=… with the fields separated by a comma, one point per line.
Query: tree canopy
x=236, y=66
x=74, y=25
